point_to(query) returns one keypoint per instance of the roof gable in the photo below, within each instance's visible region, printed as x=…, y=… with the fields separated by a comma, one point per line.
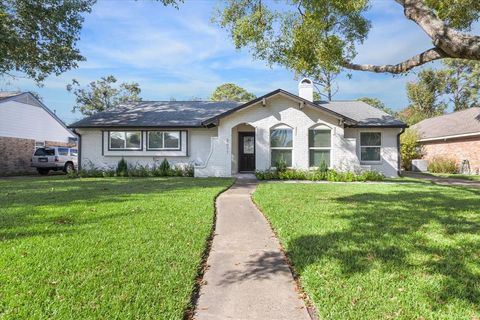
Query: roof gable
x=30, y=99
x=269, y=95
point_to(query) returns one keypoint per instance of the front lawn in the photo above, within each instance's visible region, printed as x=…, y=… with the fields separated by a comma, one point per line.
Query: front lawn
x=381, y=251
x=110, y=248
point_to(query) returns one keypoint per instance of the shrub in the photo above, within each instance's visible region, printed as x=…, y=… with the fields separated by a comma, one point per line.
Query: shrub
x=409, y=148
x=140, y=171
x=317, y=175
x=122, y=168
x=442, y=165
x=164, y=169
x=281, y=165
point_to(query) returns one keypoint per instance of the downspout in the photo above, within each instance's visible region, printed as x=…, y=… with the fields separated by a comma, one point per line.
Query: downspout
x=79, y=149
x=399, y=155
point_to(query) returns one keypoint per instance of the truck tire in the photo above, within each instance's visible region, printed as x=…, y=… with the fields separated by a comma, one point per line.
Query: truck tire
x=68, y=167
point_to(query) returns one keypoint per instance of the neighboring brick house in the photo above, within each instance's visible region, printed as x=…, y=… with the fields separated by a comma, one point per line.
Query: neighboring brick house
x=26, y=123
x=455, y=135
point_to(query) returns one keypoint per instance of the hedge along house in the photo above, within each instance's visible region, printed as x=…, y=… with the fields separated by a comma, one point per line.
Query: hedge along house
x=226, y=138
x=26, y=124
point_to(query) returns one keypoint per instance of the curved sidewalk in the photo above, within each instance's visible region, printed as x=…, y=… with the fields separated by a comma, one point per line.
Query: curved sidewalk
x=247, y=275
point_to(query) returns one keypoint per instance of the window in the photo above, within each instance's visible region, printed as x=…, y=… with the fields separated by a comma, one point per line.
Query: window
x=125, y=140
x=63, y=151
x=319, y=144
x=163, y=140
x=74, y=152
x=281, y=143
x=44, y=152
x=370, y=146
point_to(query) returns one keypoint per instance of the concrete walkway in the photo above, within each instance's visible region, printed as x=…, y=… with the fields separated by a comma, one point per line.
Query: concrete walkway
x=444, y=181
x=247, y=276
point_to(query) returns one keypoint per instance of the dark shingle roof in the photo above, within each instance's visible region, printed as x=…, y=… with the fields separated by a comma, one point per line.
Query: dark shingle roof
x=158, y=114
x=200, y=113
x=364, y=114
x=455, y=123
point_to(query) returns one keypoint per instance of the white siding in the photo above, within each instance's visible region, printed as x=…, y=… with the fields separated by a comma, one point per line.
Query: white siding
x=196, y=152
x=25, y=121
x=388, y=164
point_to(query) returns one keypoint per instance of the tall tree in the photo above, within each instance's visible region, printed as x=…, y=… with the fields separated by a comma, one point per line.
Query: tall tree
x=326, y=85
x=102, y=94
x=462, y=83
x=425, y=96
x=38, y=38
x=308, y=35
x=231, y=92
x=377, y=103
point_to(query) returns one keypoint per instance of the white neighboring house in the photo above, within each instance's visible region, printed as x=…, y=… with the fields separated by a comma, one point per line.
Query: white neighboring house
x=26, y=123
x=225, y=138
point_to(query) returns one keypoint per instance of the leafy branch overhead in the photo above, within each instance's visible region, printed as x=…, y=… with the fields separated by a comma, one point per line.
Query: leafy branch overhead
x=308, y=36
x=38, y=38
x=102, y=94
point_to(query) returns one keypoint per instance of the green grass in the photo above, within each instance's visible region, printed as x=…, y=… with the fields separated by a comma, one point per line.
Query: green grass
x=110, y=248
x=381, y=251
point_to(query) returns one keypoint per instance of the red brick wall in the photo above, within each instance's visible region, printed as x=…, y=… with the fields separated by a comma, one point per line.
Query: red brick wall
x=458, y=149
x=16, y=155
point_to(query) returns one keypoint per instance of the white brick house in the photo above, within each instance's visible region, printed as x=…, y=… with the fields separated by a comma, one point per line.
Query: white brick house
x=224, y=138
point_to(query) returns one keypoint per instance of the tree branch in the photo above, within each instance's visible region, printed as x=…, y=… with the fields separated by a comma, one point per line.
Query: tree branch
x=454, y=43
x=415, y=61
x=448, y=42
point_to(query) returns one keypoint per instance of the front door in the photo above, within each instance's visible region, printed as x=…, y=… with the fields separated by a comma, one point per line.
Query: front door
x=246, y=153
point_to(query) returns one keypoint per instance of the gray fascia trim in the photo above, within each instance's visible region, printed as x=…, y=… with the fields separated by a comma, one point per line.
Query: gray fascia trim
x=399, y=126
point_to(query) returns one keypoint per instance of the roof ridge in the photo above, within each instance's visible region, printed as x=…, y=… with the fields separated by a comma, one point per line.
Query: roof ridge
x=185, y=101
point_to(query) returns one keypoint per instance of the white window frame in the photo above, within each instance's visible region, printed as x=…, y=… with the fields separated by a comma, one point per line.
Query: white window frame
x=163, y=139
x=125, y=144
x=378, y=146
x=281, y=127
x=320, y=128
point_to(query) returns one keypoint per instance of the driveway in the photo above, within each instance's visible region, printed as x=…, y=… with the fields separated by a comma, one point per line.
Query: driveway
x=443, y=181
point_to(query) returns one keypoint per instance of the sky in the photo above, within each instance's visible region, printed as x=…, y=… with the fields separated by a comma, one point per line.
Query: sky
x=180, y=54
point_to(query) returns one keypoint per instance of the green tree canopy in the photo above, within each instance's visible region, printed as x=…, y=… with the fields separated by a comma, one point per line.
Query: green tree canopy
x=377, y=103
x=231, y=92
x=38, y=38
x=308, y=36
x=425, y=95
x=457, y=85
x=102, y=94
x=462, y=83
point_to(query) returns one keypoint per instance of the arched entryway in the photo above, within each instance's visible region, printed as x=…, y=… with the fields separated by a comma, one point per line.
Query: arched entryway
x=243, y=148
